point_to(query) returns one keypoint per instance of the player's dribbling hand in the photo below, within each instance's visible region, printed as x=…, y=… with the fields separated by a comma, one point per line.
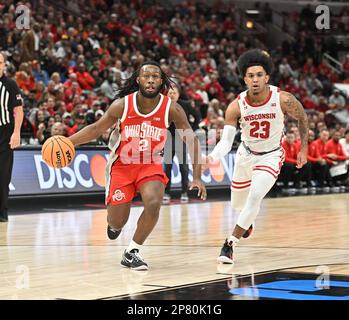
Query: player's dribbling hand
x=202, y=193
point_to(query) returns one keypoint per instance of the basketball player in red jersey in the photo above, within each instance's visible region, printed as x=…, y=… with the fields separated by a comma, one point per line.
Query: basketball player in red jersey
x=141, y=115
x=260, y=111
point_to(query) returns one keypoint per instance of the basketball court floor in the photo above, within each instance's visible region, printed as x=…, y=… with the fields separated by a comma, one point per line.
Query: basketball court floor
x=299, y=250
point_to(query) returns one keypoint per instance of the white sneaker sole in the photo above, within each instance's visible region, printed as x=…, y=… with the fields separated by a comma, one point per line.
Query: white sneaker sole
x=140, y=268
x=223, y=259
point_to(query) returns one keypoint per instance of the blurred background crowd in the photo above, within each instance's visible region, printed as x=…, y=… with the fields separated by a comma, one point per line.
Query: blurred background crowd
x=76, y=54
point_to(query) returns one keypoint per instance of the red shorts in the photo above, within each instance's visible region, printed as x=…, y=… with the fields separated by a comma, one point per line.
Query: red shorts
x=126, y=180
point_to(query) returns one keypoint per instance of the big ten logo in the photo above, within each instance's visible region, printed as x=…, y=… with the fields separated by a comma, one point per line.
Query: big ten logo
x=23, y=18
x=323, y=20
x=323, y=280
x=22, y=279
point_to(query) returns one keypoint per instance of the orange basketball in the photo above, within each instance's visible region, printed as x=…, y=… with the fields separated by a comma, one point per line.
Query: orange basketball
x=58, y=152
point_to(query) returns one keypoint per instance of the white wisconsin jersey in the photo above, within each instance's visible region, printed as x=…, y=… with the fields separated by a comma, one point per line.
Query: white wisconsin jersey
x=262, y=126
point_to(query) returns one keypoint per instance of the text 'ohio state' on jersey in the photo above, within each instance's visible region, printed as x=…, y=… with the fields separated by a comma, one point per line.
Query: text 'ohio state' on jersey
x=140, y=138
x=262, y=125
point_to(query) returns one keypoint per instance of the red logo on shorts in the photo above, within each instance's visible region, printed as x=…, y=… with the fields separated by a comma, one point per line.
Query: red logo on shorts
x=118, y=195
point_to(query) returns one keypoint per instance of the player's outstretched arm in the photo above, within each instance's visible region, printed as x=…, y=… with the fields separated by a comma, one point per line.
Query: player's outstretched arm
x=291, y=106
x=95, y=130
x=232, y=115
x=178, y=116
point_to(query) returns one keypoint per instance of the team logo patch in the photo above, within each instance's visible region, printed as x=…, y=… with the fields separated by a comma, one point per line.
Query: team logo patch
x=118, y=195
x=273, y=104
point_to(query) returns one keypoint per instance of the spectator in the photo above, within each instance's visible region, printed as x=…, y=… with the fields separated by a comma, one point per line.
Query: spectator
x=337, y=112
x=336, y=159
x=214, y=134
x=108, y=87
x=38, y=73
x=319, y=166
x=27, y=45
x=345, y=142
x=44, y=130
x=336, y=101
x=321, y=142
x=84, y=78
x=285, y=69
x=289, y=171
x=58, y=129
x=175, y=145
x=98, y=114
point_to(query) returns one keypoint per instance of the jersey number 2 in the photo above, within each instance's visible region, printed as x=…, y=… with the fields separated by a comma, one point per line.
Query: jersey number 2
x=260, y=129
x=143, y=145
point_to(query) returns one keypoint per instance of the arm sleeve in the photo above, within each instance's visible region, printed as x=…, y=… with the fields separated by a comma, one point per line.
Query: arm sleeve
x=225, y=144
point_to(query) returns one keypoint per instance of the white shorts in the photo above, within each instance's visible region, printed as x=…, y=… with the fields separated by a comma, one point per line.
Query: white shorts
x=246, y=164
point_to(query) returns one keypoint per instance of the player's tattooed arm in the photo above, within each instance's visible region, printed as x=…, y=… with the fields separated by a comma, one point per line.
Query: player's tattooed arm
x=291, y=106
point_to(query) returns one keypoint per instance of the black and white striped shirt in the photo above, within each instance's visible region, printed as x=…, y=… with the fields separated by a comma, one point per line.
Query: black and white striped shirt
x=10, y=97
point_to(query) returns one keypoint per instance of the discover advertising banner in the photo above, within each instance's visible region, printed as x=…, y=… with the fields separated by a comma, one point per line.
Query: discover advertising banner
x=31, y=176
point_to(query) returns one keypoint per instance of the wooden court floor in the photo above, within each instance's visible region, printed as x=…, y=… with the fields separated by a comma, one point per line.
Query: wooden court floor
x=66, y=255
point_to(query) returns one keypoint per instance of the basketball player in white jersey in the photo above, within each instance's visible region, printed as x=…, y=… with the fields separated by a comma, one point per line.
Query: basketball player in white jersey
x=260, y=111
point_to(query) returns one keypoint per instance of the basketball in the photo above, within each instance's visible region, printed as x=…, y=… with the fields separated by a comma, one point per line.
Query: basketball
x=58, y=152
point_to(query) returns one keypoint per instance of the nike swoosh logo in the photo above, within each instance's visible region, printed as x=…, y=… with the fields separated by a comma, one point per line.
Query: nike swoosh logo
x=128, y=260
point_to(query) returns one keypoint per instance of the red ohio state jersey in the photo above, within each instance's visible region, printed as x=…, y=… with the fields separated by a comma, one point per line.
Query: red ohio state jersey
x=140, y=138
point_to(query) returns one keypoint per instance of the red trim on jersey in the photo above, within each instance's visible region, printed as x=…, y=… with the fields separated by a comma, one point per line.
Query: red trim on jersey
x=282, y=158
x=241, y=182
x=243, y=187
x=275, y=176
x=278, y=90
x=239, y=97
x=267, y=167
x=261, y=104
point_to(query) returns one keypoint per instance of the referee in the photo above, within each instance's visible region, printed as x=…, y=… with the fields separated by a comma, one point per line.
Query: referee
x=11, y=117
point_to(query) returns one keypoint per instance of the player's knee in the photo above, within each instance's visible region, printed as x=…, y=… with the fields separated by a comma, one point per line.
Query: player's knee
x=153, y=205
x=116, y=219
x=116, y=223
x=256, y=196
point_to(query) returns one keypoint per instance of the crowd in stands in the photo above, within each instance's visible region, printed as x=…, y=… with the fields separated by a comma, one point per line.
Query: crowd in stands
x=69, y=67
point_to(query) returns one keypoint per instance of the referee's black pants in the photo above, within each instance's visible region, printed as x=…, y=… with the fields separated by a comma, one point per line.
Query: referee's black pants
x=6, y=163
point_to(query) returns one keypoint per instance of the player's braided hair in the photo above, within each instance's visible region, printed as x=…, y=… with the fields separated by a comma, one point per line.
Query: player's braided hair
x=131, y=84
x=255, y=57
